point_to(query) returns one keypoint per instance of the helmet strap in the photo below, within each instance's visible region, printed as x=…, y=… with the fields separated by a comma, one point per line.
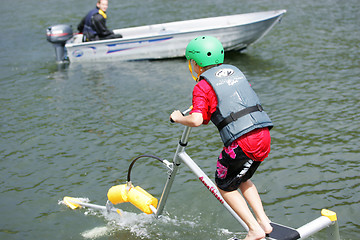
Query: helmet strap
x=191, y=71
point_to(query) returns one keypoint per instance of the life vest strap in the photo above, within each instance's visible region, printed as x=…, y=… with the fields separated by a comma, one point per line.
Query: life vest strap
x=235, y=116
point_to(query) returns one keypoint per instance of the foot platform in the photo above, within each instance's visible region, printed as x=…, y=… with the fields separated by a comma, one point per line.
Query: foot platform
x=327, y=220
x=281, y=232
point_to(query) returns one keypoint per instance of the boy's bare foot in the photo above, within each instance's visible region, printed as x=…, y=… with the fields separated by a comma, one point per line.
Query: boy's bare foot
x=265, y=225
x=255, y=235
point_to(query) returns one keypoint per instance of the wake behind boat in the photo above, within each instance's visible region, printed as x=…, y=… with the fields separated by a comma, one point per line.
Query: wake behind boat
x=167, y=40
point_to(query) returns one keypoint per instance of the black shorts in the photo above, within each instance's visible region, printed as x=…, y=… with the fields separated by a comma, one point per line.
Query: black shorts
x=233, y=168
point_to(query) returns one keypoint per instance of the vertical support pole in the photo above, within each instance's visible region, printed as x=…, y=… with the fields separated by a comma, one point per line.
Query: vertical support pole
x=333, y=230
x=176, y=163
x=166, y=190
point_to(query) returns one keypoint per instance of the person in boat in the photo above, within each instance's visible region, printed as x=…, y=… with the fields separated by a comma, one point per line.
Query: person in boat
x=224, y=96
x=93, y=25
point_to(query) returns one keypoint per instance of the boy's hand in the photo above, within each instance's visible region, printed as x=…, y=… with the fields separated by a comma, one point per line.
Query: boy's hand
x=192, y=120
x=176, y=116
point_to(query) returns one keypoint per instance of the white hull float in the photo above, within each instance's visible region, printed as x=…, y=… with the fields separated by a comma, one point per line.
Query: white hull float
x=169, y=40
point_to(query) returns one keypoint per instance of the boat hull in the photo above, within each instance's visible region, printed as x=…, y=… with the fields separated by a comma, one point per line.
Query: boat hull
x=169, y=40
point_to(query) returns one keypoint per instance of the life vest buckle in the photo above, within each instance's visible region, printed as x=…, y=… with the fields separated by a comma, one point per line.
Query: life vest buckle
x=260, y=107
x=233, y=116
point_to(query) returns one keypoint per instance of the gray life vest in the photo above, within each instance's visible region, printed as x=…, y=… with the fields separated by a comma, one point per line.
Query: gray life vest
x=239, y=110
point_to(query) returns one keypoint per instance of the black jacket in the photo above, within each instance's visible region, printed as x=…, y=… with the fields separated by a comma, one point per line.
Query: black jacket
x=98, y=25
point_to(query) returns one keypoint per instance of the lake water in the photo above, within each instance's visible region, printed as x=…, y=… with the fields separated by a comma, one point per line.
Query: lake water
x=73, y=131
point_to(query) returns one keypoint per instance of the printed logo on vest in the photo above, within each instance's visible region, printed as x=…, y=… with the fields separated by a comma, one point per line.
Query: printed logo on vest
x=225, y=72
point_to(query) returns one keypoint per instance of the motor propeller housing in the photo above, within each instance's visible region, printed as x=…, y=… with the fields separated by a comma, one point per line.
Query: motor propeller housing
x=58, y=35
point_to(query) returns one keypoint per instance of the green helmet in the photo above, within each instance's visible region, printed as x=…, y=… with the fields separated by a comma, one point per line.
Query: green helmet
x=205, y=51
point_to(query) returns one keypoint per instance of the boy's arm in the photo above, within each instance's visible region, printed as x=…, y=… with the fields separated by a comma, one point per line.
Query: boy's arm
x=100, y=26
x=193, y=120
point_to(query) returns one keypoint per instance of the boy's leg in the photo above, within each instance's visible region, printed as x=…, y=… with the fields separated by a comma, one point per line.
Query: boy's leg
x=251, y=195
x=238, y=204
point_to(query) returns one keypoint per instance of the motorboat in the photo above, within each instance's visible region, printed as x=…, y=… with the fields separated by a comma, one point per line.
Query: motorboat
x=161, y=41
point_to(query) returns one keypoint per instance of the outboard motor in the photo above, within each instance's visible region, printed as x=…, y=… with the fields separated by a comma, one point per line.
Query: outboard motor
x=58, y=35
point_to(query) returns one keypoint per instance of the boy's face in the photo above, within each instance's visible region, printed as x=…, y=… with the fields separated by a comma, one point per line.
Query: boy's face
x=103, y=5
x=195, y=66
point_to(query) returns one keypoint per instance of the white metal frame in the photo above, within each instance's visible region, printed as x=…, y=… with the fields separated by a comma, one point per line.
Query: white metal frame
x=181, y=156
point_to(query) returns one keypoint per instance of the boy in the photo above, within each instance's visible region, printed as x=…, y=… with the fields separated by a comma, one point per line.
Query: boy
x=93, y=25
x=224, y=96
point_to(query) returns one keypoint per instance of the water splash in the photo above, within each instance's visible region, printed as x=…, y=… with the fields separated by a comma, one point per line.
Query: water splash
x=144, y=226
x=84, y=200
x=96, y=232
